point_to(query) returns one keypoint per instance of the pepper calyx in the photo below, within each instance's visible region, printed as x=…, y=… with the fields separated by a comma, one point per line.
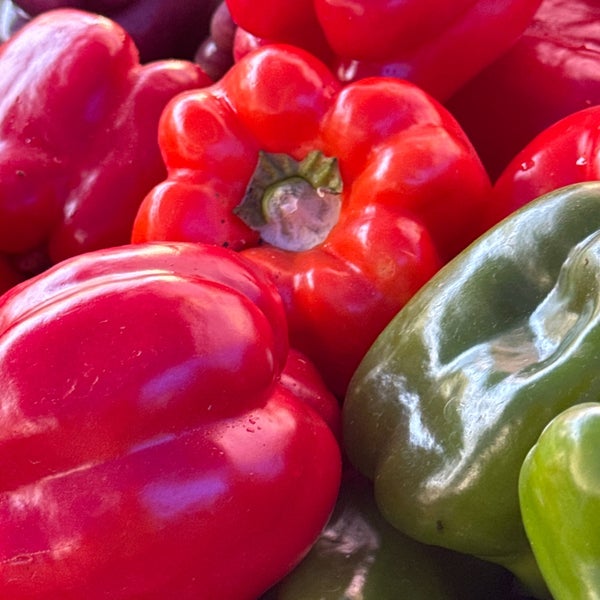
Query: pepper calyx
x=293, y=204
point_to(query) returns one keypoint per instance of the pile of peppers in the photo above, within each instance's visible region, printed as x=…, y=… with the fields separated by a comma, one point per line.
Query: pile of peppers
x=299, y=301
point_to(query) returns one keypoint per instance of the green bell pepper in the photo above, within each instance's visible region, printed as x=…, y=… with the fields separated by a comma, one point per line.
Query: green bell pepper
x=455, y=391
x=360, y=556
x=559, y=490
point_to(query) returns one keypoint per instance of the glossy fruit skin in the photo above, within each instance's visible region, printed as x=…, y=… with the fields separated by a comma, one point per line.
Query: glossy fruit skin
x=413, y=191
x=551, y=71
x=151, y=445
x=563, y=154
x=78, y=125
x=455, y=391
x=559, y=498
x=439, y=46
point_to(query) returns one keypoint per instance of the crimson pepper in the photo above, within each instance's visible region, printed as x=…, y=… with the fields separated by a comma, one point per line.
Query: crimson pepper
x=437, y=45
x=347, y=197
x=78, y=122
x=157, y=438
x=564, y=153
x=552, y=71
x=159, y=29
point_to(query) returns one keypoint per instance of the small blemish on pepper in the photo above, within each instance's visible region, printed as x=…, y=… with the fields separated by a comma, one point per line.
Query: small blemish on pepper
x=439, y=525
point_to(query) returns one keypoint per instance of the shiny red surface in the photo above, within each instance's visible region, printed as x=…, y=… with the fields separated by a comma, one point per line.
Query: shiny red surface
x=439, y=46
x=552, y=71
x=414, y=191
x=149, y=443
x=78, y=120
x=566, y=152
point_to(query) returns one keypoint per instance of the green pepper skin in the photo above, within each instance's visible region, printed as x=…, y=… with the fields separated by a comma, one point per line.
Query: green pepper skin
x=455, y=391
x=559, y=490
x=360, y=556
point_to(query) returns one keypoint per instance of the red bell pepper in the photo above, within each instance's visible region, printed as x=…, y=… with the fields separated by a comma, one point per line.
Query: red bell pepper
x=565, y=153
x=437, y=45
x=552, y=71
x=157, y=439
x=78, y=147
x=384, y=180
x=159, y=29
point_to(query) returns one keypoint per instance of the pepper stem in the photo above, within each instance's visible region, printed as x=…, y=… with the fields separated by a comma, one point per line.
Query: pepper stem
x=293, y=204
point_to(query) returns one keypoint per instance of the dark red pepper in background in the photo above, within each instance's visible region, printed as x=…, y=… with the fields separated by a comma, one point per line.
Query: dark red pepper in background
x=215, y=53
x=566, y=152
x=8, y=275
x=552, y=71
x=408, y=186
x=157, y=439
x=160, y=29
x=78, y=147
x=437, y=45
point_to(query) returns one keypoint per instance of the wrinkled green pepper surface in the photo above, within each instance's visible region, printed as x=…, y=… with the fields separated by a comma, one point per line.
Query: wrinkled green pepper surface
x=446, y=404
x=360, y=556
x=559, y=490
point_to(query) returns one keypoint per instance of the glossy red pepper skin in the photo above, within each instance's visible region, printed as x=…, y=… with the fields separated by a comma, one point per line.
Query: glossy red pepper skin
x=566, y=152
x=439, y=46
x=553, y=70
x=153, y=442
x=159, y=29
x=414, y=191
x=78, y=121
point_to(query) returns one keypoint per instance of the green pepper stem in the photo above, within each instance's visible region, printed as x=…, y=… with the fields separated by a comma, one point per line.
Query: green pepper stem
x=293, y=204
